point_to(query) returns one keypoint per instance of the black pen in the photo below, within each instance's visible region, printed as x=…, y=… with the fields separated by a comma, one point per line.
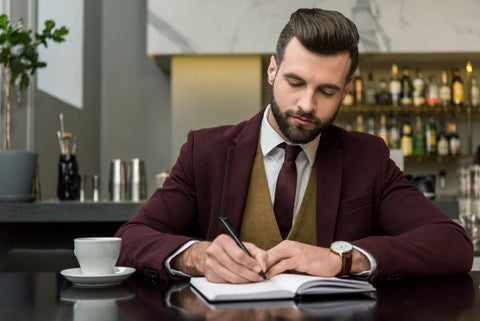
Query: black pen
x=228, y=227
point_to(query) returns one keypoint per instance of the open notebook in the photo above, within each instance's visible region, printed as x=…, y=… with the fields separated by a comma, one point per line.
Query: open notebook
x=282, y=286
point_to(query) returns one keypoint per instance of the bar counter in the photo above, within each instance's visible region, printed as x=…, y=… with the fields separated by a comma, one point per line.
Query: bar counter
x=67, y=211
x=49, y=296
x=103, y=211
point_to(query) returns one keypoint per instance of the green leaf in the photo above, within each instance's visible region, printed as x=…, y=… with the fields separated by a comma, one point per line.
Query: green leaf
x=4, y=22
x=15, y=65
x=18, y=50
x=49, y=24
x=40, y=64
x=24, y=81
x=20, y=37
x=58, y=34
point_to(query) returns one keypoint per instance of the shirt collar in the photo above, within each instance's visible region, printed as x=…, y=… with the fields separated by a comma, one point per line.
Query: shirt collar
x=269, y=139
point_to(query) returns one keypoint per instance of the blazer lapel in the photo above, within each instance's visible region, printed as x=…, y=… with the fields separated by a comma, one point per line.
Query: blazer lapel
x=240, y=157
x=329, y=184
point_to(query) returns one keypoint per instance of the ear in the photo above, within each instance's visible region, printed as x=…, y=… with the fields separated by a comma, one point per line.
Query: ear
x=272, y=70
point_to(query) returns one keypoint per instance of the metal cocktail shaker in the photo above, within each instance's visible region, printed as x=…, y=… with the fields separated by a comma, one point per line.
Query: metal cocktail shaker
x=117, y=180
x=137, y=183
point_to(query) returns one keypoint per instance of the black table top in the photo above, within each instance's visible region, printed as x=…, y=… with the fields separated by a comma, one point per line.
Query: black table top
x=49, y=296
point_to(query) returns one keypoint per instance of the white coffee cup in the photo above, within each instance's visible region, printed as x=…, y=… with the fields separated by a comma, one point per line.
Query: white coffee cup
x=97, y=255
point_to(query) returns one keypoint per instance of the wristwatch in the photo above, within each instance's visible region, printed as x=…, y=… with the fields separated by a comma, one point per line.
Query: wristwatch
x=345, y=250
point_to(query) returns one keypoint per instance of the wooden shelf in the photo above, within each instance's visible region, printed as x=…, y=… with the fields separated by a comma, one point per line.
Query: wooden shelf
x=436, y=158
x=378, y=109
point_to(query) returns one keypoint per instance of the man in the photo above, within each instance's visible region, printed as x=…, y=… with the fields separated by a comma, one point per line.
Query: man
x=347, y=187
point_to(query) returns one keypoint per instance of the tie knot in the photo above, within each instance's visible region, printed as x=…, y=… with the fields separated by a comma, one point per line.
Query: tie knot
x=291, y=151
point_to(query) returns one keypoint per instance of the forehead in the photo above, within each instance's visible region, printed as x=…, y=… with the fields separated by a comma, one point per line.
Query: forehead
x=305, y=63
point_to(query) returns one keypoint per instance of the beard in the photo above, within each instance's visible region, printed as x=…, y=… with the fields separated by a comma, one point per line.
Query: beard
x=298, y=133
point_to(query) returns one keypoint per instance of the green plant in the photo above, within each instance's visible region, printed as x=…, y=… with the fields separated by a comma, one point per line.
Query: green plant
x=19, y=58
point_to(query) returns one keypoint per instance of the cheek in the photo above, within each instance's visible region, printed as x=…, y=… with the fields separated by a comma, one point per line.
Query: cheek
x=285, y=95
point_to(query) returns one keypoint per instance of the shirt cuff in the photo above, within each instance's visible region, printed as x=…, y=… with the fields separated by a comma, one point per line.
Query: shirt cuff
x=182, y=248
x=373, y=263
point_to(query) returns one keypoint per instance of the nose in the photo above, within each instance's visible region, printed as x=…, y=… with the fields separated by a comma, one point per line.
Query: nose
x=307, y=102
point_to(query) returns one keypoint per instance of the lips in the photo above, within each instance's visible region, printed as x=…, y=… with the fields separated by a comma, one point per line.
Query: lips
x=302, y=121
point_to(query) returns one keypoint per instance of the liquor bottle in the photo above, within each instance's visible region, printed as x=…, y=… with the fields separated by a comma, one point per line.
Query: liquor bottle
x=432, y=92
x=418, y=90
x=370, y=90
x=406, y=88
x=406, y=141
x=358, y=85
x=395, y=86
x=445, y=91
x=394, y=133
x=382, y=131
x=383, y=96
x=442, y=144
x=475, y=92
x=418, y=137
x=457, y=88
x=371, y=124
x=453, y=139
x=430, y=137
x=360, y=125
x=349, y=99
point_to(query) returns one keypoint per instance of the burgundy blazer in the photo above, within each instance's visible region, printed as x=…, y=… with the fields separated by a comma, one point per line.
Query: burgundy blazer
x=362, y=197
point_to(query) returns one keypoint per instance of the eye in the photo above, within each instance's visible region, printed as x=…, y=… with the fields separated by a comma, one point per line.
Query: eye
x=326, y=93
x=295, y=84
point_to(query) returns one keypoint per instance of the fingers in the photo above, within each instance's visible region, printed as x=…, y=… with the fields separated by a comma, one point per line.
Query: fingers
x=226, y=262
x=261, y=257
x=302, y=258
x=282, y=258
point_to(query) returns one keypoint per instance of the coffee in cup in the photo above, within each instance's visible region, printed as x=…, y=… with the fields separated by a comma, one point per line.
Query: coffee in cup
x=97, y=255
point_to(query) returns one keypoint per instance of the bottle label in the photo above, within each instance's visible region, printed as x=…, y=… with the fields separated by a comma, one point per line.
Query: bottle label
x=348, y=100
x=430, y=141
x=457, y=93
x=395, y=87
x=475, y=96
x=442, y=146
x=445, y=94
x=454, y=146
x=407, y=146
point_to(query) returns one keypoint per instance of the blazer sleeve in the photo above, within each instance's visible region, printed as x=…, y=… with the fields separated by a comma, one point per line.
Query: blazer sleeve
x=162, y=224
x=411, y=236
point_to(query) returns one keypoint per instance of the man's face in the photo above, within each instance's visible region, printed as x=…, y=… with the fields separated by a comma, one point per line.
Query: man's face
x=308, y=89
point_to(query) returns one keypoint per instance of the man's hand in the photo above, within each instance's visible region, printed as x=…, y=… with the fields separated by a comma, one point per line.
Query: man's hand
x=222, y=261
x=309, y=259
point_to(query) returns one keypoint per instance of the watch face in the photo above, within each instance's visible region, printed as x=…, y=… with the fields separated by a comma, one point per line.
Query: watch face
x=341, y=246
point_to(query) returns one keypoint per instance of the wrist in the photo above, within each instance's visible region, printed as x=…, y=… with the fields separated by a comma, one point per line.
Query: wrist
x=360, y=263
x=192, y=260
x=344, y=250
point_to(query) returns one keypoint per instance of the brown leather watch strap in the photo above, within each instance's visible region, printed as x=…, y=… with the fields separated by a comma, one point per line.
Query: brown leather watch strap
x=346, y=263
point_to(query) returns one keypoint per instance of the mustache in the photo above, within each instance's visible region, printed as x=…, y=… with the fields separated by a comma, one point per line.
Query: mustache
x=300, y=113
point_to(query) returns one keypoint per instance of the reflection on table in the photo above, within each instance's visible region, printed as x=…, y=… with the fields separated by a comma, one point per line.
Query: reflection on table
x=48, y=296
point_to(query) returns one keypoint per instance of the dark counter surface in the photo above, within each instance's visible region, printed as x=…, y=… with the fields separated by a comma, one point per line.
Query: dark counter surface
x=67, y=211
x=103, y=211
x=49, y=296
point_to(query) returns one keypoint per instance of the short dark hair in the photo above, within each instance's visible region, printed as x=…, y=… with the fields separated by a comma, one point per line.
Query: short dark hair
x=321, y=31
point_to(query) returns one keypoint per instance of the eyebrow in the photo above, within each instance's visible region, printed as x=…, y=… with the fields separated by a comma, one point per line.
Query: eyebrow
x=296, y=77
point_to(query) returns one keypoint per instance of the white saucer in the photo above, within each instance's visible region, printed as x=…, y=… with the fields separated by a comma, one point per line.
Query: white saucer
x=119, y=275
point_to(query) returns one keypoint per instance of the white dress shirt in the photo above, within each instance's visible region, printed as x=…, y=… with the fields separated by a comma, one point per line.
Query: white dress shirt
x=273, y=157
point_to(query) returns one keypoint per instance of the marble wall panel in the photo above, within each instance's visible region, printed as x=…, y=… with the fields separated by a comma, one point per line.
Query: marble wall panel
x=252, y=26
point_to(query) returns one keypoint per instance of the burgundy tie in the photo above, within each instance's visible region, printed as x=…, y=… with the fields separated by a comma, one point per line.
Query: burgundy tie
x=286, y=188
